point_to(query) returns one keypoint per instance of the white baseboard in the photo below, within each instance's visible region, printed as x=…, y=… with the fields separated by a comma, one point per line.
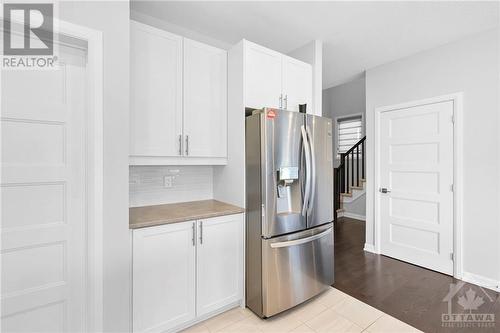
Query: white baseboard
x=369, y=248
x=481, y=281
x=354, y=216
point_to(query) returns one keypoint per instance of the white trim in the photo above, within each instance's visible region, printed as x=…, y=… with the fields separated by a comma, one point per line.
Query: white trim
x=175, y=160
x=457, y=99
x=95, y=143
x=356, y=194
x=354, y=216
x=370, y=248
x=481, y=281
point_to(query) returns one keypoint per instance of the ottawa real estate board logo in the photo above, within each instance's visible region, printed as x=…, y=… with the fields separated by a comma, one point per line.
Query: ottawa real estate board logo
x=28, y=36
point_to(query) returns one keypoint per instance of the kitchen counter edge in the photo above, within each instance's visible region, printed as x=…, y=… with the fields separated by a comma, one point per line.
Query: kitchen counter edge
x=168, y=213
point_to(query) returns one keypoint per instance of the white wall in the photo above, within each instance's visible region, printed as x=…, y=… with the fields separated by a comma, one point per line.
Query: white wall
x=340, y=101
x=189, y=183
x=344, y=100
x=312, y=53
x=112, y=18
x=469, y=66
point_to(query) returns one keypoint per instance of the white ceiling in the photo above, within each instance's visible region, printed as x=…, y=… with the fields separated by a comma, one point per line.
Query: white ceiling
x=356, y=35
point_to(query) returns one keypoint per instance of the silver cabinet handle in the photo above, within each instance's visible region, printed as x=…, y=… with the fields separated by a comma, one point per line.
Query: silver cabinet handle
x=180, y=144
x=302, y=240
x=384, y=190
x=286, y=102
x=194, y=231
x=187, y=144
x=201, y=232
x=281, y=101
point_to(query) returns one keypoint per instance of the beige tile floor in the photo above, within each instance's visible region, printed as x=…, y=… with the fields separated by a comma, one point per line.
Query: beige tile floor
x=333, y=311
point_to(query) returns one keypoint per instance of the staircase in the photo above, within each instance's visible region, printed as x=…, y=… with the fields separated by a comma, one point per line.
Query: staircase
x=349, y=176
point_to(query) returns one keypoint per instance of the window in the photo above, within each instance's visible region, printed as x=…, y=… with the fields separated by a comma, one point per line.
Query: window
x=350, y=131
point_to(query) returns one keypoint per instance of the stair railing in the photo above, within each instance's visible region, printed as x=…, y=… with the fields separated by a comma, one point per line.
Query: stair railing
x=349, y=173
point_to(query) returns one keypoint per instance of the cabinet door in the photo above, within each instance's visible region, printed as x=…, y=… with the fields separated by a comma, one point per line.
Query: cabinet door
x=205, y=100
x=297, y=84
x=155, y=91
x=163, y=276
x=262, y=77
x=219, y=262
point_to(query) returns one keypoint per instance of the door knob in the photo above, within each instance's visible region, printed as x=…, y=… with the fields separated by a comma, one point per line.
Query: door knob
x=384, y=190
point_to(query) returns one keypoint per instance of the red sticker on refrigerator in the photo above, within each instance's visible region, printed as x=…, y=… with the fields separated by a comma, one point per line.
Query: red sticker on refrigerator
x=271, y=114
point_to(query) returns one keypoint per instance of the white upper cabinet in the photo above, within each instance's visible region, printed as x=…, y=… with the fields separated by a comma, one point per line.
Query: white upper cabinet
x=205, y=100
x=178, y=100
x=155, y=91
x=272, y=79
x=262, y=77
x=297, y=84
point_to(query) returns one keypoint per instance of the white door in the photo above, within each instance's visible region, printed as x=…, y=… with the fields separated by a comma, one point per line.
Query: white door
x=297, y=84
x=43, y=251
x=416, y=166
x=262, y=77
x=205, y=100
x=163, y=276
x=219, y=262
x=155, y=92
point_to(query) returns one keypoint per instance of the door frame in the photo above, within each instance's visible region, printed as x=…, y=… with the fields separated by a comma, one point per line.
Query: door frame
x=457, y=99
x=95, y=166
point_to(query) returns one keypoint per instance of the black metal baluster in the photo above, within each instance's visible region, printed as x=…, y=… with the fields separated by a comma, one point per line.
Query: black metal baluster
x=363, y=157
x=352, y=164
x=347, y=173
x=357, y=165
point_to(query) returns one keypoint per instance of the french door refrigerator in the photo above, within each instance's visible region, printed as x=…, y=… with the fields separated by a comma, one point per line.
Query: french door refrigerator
x=289, y=197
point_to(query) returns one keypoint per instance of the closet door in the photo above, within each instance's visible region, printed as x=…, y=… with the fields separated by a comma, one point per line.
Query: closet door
x=155, y=92
x=205, y=100
x=297, y=84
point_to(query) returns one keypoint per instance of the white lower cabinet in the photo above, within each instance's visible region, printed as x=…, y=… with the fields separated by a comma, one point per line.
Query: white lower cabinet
x=164, y=271
x=186, y=271
x=219, y=262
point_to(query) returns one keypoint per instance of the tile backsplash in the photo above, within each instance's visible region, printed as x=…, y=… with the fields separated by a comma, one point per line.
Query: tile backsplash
x=155, y=185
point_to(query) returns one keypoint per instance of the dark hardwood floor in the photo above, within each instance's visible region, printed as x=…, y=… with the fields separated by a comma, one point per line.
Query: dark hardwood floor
x=410, y=293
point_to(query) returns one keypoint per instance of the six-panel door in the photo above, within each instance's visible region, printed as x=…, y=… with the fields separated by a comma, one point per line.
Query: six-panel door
x=155, y=92
x=205, y=100
x=219, y=262
x=163, y=276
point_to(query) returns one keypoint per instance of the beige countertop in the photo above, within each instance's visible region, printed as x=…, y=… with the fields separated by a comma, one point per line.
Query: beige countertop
x=148, y=216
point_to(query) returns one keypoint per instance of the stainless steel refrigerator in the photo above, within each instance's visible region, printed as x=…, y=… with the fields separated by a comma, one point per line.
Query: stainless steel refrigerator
x=289, y=197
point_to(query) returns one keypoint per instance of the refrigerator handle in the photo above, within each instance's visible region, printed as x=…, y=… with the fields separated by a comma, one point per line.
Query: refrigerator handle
x=313, y=172
x=302, y=240
x=305, y=145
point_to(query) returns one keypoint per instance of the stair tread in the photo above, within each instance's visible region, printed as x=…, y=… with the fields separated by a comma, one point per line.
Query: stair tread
x=346, y=194
x=358, y=187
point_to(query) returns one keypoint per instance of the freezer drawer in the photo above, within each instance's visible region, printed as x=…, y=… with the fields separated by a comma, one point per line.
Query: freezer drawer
x=296, y=267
